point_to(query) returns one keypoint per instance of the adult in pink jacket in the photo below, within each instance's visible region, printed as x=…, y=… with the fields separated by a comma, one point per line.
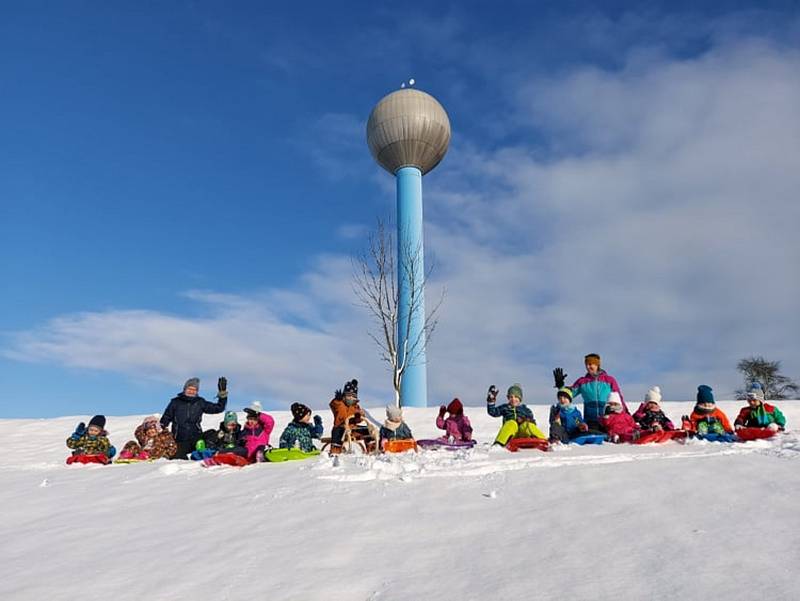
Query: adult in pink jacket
x=618, y=424
x=255, y=433
x=594, y=387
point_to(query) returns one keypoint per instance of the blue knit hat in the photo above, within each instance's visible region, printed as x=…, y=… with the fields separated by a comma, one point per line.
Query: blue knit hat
x=756, y=391
x=704, y=394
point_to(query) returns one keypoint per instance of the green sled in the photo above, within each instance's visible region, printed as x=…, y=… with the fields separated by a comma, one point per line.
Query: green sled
x=278, y=455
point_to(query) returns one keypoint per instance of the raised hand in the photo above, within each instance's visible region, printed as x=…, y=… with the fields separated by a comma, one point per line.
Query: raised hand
x=559, y=377
x=318, y=420
x=222, y=387
x=80, y=430
x=442, y=410
x=491, y=397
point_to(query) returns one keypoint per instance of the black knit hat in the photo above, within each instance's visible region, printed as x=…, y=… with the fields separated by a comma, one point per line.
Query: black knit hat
x=351, y=387
x=99, y=421
x=299, y=411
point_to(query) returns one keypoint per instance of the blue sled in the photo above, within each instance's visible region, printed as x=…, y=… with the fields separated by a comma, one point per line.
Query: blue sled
x=588, y=439
x=713, y=437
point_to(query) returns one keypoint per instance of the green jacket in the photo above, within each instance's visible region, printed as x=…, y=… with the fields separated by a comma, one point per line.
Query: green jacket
x=90, y=445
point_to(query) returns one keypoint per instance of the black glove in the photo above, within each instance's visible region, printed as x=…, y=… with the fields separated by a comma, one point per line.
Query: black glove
x=222, y=388
x=318, y=420
x=491, y=397
x=559, y=377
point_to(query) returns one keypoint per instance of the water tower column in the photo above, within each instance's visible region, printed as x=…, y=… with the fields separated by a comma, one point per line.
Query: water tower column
x=411, y=290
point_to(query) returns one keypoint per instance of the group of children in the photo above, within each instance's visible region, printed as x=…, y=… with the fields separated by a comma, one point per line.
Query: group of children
x=609, y=420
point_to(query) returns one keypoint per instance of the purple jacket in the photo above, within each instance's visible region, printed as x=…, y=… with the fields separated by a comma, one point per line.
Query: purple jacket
x=457, y=427
x=252, y=438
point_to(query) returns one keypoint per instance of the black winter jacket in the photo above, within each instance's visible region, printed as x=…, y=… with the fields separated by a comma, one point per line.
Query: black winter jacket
x=185, y=414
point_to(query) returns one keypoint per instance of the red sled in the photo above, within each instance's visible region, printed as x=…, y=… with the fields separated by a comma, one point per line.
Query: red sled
x=755, y=433
x=659, y=437
x=231, y=459
x=515, y=444
x=101, y=459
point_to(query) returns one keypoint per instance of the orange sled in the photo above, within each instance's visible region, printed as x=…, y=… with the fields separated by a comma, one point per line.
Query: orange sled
x=399, y=446
x=515, y=444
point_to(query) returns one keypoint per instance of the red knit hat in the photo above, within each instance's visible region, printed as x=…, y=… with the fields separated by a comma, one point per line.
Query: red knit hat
x=455, y=407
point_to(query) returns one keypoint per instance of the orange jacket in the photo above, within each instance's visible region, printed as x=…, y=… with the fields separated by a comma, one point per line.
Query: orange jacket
x=717, y=413
x=342, y=412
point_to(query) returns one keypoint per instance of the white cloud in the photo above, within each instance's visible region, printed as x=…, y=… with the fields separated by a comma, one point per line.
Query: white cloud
x=656, y=225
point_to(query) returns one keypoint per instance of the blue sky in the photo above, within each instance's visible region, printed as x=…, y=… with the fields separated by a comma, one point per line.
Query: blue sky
x=182, y=185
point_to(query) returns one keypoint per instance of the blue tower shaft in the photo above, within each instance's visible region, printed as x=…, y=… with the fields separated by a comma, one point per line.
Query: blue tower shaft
x=411, y=291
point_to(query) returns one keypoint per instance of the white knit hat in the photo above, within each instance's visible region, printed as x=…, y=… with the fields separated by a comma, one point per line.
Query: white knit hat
x=614, y=398
x=394, y=413
x=653, y=395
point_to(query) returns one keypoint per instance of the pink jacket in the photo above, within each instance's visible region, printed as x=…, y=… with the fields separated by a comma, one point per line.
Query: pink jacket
x=619, y=424
x=258, y=436
x=457, y=427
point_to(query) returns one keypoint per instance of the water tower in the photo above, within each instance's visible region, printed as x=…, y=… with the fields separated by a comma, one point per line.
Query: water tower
x=408, y=133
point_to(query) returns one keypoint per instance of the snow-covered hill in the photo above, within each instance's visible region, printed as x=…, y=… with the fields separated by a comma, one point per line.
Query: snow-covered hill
x=693, y=521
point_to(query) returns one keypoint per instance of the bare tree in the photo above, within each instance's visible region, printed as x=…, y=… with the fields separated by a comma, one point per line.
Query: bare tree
x=375, y=274
x=767, y=373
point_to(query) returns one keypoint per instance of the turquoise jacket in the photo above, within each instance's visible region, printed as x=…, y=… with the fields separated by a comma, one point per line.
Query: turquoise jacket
x=595, y=390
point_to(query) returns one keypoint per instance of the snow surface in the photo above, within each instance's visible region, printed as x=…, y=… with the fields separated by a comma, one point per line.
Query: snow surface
x=694, y=521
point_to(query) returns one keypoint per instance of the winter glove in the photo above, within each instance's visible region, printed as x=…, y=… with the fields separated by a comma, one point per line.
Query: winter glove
x=80, y=430
x=559, y=377
x=222, y=388
x=442, y=410
x=317, y=420
x=491, y=397
x=773, y=427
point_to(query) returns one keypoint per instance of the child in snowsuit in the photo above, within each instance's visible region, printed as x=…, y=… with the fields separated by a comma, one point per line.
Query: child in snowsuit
x=707, y=421
x=618, y=424
x=348, y=415
x=91, y=439
x=518, y=420
x=394, y=428
x=255, y=434
x=759, y=414
x=225, y=439
x=300, y=431
x=649, y=416
x=456, y=426
x=152, y=442
x=566, y=421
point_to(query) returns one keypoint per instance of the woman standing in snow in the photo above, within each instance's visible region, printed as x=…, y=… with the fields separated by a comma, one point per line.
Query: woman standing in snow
x=185, y=412
x=595, y=387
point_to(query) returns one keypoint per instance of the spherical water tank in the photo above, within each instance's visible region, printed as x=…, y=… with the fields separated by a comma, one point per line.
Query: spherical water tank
x=408, y=128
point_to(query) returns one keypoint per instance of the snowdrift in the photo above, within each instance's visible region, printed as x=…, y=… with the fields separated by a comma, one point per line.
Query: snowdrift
x=618, y=522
